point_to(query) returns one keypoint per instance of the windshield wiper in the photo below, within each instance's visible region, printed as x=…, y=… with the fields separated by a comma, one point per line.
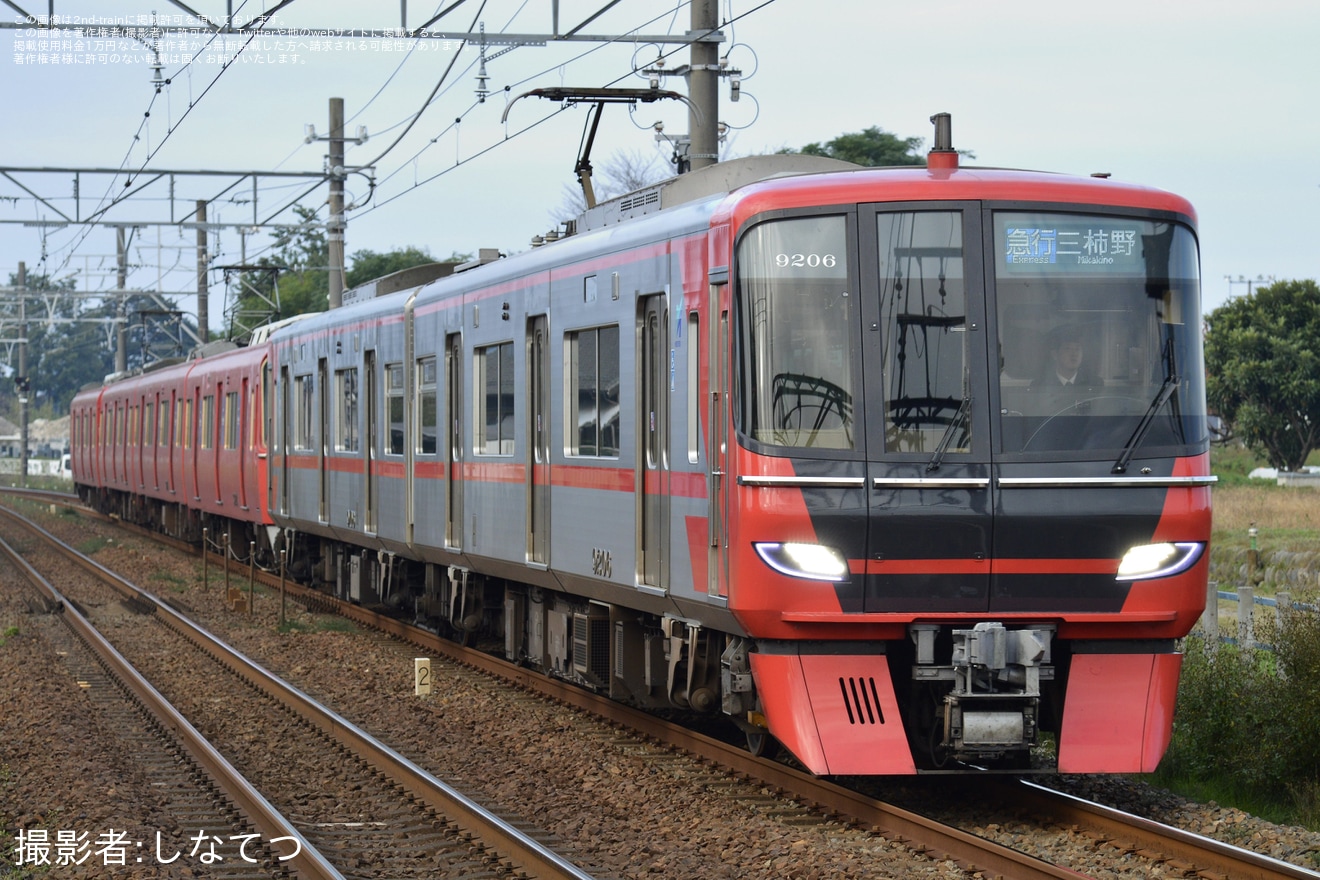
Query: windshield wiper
x=1162, y=397
x=954, y=424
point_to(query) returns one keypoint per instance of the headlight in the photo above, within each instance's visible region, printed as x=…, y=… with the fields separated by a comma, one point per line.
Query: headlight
x=1158, y=560
x=816, y=562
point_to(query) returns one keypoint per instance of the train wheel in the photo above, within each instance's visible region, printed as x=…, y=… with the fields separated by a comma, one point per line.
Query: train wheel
x=762, y=744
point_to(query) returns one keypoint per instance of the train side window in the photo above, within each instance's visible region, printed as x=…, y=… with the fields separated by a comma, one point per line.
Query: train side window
x=592, y=388
x=693, y=387
x=304, y=401
x=346, y=420
x=206, y=441
x=494, y=399
x=222, y=418
x=163, y=437
x=427, y=412
x=232, y=420
x=394, y=408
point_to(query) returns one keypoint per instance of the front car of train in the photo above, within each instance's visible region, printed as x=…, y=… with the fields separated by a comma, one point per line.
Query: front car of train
x=965, y=492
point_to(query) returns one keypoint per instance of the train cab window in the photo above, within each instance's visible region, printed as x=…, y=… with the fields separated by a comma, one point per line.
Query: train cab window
x=592, y=389
x=923, y=315
x=1098, y=320
x=797, y=328
x=346, y=411
x=394, y=408
x=493, y=375
x=427, y=413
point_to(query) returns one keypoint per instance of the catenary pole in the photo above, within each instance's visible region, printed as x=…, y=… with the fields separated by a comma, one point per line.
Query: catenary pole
x=24, y=385
x=203, y=289
x=121, y=330
x=703, y=87
x=335, y=225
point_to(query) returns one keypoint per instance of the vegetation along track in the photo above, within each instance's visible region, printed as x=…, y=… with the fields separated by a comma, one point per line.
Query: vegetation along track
x=773, y=789
x=360, y=803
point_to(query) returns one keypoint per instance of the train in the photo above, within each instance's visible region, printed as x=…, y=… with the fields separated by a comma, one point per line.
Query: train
x=905, y=470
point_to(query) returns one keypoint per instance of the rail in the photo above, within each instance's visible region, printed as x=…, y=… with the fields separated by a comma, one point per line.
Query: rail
x=523, y=850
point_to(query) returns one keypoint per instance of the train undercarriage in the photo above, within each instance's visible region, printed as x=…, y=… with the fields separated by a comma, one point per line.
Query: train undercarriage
x=976, y=696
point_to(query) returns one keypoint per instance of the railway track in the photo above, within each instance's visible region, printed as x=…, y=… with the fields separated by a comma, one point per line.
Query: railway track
x=798, y=797
x=415, y=824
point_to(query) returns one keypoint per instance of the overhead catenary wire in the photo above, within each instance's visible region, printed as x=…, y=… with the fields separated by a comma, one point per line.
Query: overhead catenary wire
x=298, y=193
x=510, y=137
x=102, y=206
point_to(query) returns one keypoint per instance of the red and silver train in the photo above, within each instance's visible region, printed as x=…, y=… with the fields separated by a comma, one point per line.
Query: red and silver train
x=906, y=469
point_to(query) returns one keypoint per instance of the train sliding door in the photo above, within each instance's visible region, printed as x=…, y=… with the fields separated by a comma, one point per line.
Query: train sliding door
x=285, y=437
x=653, y=438
x=928, y=445
x=323, y=462
x=454, y=446
x=371, y=499
x=538, y=450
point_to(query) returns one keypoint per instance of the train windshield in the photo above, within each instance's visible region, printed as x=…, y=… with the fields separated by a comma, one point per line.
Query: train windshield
x=1099, y=322
x=798, y=320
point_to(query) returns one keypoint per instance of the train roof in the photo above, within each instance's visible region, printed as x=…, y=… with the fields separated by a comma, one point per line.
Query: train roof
x=949, y=182
x=741, y=188
x=718, y=179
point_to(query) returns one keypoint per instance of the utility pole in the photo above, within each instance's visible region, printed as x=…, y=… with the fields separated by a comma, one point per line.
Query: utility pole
x=703, y=87
x=121, y=332
x=335, y=226
x=1250, y=282
x=24, y=384
x=203, y=313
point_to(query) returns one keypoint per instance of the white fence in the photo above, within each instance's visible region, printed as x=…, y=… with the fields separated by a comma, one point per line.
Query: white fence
x=1248, y=605
x=39, y=467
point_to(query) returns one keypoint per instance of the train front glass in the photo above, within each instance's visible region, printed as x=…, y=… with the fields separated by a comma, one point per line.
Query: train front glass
x=1093, y=349
x=1099, y=336
x=931, y=359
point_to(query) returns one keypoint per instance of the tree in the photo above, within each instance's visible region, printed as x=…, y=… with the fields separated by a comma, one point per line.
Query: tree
x=72, y=341
x=622, y=172
x=302, y=258
x=47, y=303
x=871, y=147
x=1263, y=369
x=368, y=265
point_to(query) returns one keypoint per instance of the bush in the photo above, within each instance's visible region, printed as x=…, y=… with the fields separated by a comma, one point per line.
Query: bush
x=1248, y=719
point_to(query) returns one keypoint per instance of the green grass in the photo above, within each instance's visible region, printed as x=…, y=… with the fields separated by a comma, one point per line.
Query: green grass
x=1243, y=733
x=175, y=583
x=92, y=546
x=320, y=624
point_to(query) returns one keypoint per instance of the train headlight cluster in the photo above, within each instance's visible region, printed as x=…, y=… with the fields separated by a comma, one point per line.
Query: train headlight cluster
x=1158, y=560
x=816, y=562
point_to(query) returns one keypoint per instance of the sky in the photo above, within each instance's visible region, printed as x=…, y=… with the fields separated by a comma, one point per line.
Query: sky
x=1213, y=100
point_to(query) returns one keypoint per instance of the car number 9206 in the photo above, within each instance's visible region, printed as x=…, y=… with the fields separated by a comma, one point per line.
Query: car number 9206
x=806, y=261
